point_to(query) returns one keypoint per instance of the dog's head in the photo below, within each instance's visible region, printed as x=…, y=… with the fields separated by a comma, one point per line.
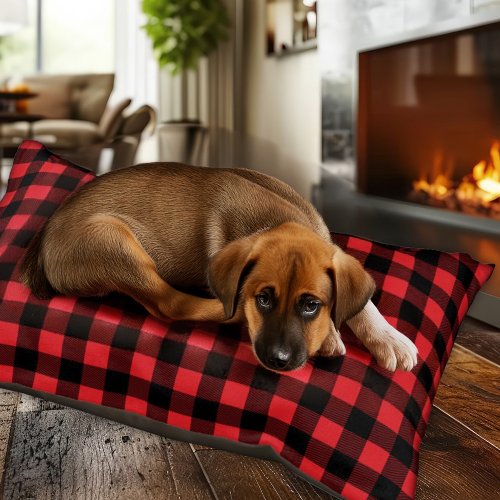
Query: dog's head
x=288, y=281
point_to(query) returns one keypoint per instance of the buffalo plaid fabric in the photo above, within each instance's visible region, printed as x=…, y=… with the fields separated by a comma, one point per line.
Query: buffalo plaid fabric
x=344, y=421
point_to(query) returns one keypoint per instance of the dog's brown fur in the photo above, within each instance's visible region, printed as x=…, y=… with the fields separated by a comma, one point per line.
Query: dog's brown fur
x=153, y=230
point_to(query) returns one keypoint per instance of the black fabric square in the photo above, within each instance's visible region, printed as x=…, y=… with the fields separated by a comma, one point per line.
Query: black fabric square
x=116, y=381
x=376, y=382
x=328, y=364
x=11, y=209
x=182, y=327
x=385, y=488
x=360, y=423
x=425, y=377
x=171, y=352
x=22, y=238
x=42, y=155
x=252, y=420
x=217, y=365
x=78, y=326
x=6, y=271
x=297, y=439
x=33, y=315
x=265, y=380
x=464, y=275
x=420, y=283
x=377, y=263
x=314, y=398
x=26, y=358
x=429, y=256
x=341, y=465
x=451, y=312
x=67, y=183
x=439, y=346
x=28, y=179
x=410, y=313
x=403, y=451
x=125, y=338
x=159, y=395
x=71, y=371
x=413, y=412
x=205, y=409
x=46, y=208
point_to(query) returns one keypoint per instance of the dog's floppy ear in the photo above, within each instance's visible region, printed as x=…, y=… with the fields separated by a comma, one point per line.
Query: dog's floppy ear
x=353, y=286
x=227, y=271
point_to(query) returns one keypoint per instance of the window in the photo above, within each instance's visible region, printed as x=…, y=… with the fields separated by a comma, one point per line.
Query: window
x=62, y=37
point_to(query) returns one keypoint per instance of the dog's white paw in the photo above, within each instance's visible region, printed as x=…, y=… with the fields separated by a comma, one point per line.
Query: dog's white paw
x=332, y=346
x=393, y=350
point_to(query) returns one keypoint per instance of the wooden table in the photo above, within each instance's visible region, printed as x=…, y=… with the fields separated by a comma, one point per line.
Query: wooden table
x=8, y=99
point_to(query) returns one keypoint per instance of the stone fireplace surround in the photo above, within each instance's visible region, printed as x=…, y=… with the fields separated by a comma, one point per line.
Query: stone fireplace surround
x=346, y=209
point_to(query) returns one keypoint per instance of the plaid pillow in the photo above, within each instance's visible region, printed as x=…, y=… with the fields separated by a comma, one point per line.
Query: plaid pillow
x=344, y=421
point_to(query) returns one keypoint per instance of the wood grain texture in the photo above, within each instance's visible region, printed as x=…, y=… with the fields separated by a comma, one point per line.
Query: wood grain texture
x=30, y=403
x=68, y=454
x=480, y=338
x=470, y=392
x=8, y=405
x=455, y=463
x=239, y=477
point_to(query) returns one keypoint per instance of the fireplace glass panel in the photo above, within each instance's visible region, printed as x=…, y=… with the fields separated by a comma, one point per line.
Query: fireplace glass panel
x=429, y=111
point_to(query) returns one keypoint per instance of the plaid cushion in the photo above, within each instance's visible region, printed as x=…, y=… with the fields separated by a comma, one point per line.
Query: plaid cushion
x=344, y=421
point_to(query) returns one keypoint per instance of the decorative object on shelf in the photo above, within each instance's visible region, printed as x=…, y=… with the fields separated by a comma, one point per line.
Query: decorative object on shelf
x=291, y=26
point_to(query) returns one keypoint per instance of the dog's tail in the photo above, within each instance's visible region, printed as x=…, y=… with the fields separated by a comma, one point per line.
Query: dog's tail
x=32, y=269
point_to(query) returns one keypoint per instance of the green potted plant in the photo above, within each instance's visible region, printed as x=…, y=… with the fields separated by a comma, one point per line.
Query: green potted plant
x=183, y=31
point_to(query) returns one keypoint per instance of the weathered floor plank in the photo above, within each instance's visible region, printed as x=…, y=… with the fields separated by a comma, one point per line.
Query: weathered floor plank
x=455, y=463
x=470, y=391
x=480, y=338
x=8, y=405
x=68, y=454
x=247, y=478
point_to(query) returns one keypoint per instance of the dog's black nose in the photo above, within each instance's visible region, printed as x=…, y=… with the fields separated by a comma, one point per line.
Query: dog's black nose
x=279, y=357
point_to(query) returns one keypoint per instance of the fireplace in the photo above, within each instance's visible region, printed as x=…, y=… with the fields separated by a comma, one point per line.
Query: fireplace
x=426, y=132
x=429, y=121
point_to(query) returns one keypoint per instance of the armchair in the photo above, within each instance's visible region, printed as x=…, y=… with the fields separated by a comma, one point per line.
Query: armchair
x=79, y=123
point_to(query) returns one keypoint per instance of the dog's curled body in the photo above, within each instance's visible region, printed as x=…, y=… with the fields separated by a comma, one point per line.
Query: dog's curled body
x=153, y=230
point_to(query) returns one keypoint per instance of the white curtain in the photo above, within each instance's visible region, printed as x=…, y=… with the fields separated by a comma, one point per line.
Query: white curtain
x=136, y=73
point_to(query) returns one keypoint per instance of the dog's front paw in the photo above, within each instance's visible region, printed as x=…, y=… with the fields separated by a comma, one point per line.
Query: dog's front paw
x=332, y=346
x=393, y=350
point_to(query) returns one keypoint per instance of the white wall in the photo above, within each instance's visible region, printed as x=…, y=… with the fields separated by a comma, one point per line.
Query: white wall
x=282, y=97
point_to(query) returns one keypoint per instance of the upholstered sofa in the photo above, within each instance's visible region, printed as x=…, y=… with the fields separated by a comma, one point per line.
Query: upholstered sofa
x=79, y=123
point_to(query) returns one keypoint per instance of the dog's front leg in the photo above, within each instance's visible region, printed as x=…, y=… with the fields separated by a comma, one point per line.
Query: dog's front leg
x=389, y=347
x=332, y=345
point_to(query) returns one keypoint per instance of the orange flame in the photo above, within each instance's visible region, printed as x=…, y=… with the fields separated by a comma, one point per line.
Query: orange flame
x=487, y=175
x=481, y=186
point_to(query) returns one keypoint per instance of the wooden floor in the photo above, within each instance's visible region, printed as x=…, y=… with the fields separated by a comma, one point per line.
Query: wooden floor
x=51, y=452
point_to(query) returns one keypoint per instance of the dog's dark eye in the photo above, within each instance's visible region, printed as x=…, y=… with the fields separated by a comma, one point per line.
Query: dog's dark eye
x=264, y=300
x=310, y=307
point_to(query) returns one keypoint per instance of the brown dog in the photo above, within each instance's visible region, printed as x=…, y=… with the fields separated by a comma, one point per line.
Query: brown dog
x=154, y=230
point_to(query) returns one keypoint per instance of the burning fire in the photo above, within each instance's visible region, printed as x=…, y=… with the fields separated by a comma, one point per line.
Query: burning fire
x=477, y=192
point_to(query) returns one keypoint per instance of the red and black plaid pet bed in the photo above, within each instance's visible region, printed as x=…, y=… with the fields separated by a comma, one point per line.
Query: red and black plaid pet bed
x=344, y=422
